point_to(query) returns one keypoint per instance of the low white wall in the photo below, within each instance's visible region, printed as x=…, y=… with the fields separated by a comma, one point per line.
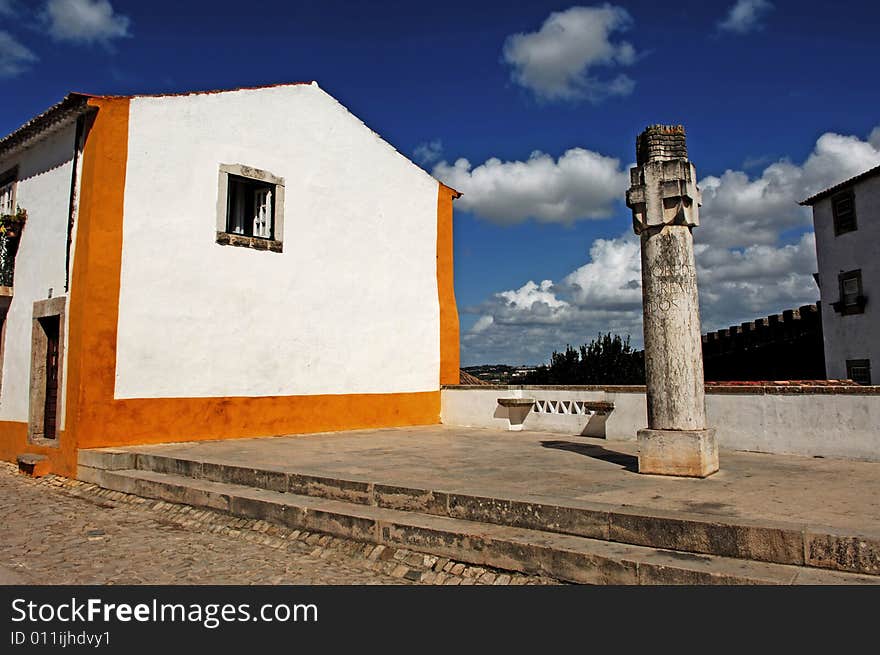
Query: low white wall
x=836, y=425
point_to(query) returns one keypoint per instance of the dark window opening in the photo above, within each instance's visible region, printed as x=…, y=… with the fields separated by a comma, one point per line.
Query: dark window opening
x=852, y=299
x=250, y=208
x=843, y=206
x=859, y=370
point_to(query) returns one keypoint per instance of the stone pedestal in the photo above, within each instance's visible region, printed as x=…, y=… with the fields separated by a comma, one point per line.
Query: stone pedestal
x=685, y=453
x=664, y=200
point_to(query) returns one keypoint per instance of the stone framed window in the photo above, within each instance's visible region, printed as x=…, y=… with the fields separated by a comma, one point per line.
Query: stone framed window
x=8, y=184
x=852, y=299
x=250, y=208
x=843, y=208
x=859, y=370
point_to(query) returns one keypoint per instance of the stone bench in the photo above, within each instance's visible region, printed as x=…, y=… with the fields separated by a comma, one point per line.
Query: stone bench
x=516, y=402
x=519, y=408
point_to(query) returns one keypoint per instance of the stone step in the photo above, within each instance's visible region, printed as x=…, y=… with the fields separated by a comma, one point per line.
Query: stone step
x=733, y=537
x=565, y=557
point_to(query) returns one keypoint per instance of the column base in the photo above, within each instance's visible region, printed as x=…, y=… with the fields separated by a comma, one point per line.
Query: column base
x=685, y=453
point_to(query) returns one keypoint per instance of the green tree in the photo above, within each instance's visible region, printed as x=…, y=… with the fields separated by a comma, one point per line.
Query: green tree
x=608, y=359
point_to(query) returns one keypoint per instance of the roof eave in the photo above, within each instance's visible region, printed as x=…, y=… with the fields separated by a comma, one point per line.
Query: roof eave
x=830, y=191
x=57, y=116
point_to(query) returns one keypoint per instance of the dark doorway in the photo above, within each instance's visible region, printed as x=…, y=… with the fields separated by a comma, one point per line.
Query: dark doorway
x=45, y=414
x=51, y=326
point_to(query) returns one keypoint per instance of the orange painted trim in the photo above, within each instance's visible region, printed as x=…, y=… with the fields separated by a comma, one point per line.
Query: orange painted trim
x=450, y=358
x=94, y=418
x=162, y=420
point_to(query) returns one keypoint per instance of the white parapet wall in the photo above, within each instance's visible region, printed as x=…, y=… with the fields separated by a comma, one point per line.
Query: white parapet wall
x=815, y=421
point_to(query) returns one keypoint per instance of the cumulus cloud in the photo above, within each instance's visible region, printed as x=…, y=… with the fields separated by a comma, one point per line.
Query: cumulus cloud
x=527, y=324
x=85, y=21
x=581, y=184
x=429, y=152
x=15, y=58
x=745, y=16
x=738, y=285
x=563, y=59
x=743, y=269
x=739, y=210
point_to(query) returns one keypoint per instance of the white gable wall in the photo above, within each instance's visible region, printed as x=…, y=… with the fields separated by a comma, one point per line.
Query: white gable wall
x=351, y=304
x=44, y=172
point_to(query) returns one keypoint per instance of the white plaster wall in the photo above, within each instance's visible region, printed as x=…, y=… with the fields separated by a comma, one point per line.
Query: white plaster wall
x=828, y=425
x=854, y=336
x=44, y=191
x=350, y=306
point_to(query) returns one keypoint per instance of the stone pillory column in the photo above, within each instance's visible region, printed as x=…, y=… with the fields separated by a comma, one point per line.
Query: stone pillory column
x=664, y=200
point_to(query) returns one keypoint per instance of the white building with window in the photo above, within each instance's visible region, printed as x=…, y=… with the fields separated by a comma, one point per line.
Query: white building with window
x=846, y=218
x=214, y=265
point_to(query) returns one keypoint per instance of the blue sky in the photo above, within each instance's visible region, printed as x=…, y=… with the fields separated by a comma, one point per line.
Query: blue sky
x=779, y=99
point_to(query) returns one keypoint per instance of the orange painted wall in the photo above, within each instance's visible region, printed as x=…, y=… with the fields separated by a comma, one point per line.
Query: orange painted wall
x=94, y=418
x=449, y=328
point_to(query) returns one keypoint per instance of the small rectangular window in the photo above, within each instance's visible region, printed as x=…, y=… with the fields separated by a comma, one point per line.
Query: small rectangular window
x=852, y=299
x=859, y=370
x=7, y=192
x=250, y=209
x=843, y=207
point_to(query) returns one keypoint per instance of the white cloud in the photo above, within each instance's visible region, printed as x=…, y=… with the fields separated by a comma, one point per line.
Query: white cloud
x=739, y=210
x=745, y=16
x=527, y=324
x=581, y=184
x=612, y=278
x=530, y=294
x=742, y=284
x=15, y=58
x=559, y=61
x=483, y=323
x=429, y=152
x=874, y=138
x=745, y=269
x=85, y=21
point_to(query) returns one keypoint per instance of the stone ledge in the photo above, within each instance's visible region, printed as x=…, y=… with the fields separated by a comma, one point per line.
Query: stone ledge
x=256, y=243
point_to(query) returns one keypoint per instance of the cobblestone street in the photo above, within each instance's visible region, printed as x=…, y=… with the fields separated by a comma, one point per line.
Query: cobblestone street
x=59, y=531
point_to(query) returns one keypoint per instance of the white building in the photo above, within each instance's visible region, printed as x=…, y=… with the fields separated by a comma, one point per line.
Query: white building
x=215, y=265
x=847, y=224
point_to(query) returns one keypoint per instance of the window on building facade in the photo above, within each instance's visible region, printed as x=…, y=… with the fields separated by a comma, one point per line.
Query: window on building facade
x=7, y=191
x=250, y=208
x=843, y=207
x=852, y=299
x=859, y=370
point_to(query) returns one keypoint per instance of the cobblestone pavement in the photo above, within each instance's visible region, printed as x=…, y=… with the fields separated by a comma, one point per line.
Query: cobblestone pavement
x=60, y=531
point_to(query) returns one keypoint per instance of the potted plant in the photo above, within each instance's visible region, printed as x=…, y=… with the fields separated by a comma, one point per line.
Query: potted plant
x=10, y=232
x=11, y=224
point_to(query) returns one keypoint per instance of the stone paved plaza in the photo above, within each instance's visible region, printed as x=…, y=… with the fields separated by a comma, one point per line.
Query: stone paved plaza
x=59, y=531
x=573, y=471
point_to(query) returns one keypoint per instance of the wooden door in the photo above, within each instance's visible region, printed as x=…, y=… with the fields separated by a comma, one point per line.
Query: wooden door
x=51, y=325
